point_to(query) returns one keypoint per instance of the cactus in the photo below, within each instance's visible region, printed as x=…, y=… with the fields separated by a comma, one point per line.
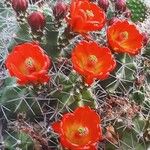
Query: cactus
x=27, y=112
x=139, y=10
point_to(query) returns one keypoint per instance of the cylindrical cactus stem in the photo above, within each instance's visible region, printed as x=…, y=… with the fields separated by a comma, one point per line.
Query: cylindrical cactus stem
x=138, y=10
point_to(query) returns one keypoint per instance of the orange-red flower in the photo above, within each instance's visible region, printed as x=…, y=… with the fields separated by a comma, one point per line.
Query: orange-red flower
x=79, y=130
x=124, y=37
x=28, y=63
x=92, y=61
x=85, y=16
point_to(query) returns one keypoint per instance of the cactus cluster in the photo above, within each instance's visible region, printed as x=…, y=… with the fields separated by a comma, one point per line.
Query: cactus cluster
x=121, y=100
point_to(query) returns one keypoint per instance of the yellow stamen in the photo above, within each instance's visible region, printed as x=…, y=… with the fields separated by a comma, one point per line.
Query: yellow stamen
x=93, y=59
x=82, y=131
x=89, y=13
x=29, y=62
x=123, y=36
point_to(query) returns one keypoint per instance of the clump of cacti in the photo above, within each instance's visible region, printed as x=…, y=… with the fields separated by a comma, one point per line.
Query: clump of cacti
x=74, y=75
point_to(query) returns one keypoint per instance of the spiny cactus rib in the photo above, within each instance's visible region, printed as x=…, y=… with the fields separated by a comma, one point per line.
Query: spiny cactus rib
x=139, y=10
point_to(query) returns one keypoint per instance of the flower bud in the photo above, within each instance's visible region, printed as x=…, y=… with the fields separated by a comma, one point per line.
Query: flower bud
x=112, y=20
x=103, y=4
x=120, y=5
x=60, y=9
x=20, y=5
x=127, y=13
x=145, y=38
x=36, y=21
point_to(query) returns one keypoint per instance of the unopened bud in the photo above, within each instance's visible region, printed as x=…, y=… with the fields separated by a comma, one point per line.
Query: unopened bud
x=60, y=9
x=127, y=13
x=20, y=5
x=103, y=4
x=145, y=39
x=120, y=5
x=112, y=20
x=36, y=21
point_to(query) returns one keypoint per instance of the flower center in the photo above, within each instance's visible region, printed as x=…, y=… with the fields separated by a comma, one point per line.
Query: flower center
x=93, y=59
x=30, y=64
x=89, y=13
x=123, y=36
x=82, y=131
x=78, y=134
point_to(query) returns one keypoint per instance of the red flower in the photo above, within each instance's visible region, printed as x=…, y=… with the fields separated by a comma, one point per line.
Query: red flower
x=124, y=37
x=79, y=130
x=85, y=16
x=92, y=61
x=28, y=63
